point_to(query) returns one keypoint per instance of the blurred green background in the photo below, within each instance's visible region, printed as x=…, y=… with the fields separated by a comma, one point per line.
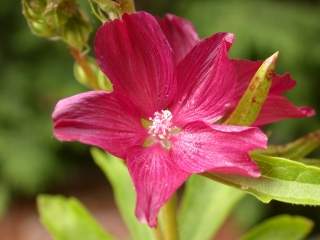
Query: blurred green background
x=35, y=73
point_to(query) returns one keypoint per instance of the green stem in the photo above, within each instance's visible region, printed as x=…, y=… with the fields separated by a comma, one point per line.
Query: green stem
x=157, y=233
x=168, y=220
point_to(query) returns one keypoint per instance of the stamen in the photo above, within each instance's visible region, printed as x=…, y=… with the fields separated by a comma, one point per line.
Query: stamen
x=161, y=124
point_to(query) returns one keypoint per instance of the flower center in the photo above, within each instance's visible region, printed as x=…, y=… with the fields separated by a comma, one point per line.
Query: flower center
x=161, y=125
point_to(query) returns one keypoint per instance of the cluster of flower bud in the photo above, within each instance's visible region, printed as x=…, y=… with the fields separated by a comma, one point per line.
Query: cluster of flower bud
x=58, y=19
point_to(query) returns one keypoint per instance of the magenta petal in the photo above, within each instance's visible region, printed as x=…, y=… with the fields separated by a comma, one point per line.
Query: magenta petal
x=282, y=83
x=206, y=81
x=200, y=147
x=100, y=119
x=245, y=71
x=277, y=108
x=180, y=34
x=135, y=54
x=155, y=177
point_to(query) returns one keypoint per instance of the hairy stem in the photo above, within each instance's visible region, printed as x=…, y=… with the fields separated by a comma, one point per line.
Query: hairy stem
x=168, y=220
x=157, y=233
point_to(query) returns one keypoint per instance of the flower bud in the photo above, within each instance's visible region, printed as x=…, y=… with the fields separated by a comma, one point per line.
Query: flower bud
x=76, y=31
x=58, y=19
x=91, y=76
x=33, y=11
x=107, y=10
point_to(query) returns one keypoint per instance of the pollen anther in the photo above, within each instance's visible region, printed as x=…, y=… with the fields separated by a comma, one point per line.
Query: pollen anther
x=161, y=124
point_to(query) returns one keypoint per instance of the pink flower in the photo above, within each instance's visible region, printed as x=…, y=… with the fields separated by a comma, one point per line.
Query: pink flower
x=183, y=37
x=161, y=116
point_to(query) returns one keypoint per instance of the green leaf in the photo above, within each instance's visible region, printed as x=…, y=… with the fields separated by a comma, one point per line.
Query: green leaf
x=67, y=219
x=118, y=175
x=280, y=228
x=255, y=95
x=282, y=179
x=297, y=149
x=205, y=205
x=310, y=161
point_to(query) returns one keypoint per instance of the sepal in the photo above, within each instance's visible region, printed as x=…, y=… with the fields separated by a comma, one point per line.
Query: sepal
x=251, y=102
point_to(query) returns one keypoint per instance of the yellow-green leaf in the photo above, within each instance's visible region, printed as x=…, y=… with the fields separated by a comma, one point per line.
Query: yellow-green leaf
x=282, y=179
x=297, y=149
x=283, y=227
x=205, y=205
x=67, y=219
